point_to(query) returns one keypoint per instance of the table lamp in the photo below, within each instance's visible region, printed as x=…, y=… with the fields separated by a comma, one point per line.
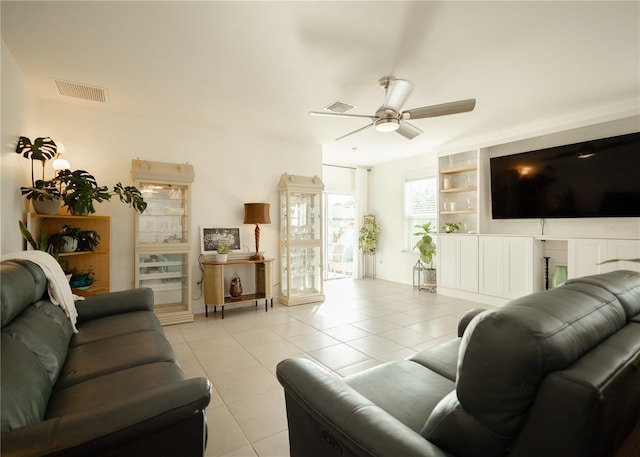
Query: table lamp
x=257, y=213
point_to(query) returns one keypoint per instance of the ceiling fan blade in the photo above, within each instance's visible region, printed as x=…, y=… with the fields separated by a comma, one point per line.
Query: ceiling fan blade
x=398, y=91
x=355, y=131
x=329, y=114
x=407, y=130
x=444, y=109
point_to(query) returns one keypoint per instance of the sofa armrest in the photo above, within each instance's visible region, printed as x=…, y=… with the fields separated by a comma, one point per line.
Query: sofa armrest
x=95, y=306
x=151, y=421
x=466, y=320
x=324, y=411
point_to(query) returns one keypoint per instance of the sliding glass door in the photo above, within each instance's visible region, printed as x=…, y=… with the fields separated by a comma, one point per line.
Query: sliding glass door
x=341, y=238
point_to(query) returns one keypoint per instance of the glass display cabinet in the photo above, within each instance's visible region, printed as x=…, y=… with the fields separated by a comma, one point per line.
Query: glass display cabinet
x=301, y=254
x=163, y=237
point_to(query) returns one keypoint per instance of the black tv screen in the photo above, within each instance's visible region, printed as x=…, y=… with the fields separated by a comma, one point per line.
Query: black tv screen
x=599, y=178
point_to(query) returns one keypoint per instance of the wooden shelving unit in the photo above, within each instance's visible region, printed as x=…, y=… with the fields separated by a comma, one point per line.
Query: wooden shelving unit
x=458, y=200
x=98, y=260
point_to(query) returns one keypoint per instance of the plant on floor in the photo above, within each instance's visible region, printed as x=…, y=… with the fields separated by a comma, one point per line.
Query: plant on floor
x=425, y=244
x=42, y=245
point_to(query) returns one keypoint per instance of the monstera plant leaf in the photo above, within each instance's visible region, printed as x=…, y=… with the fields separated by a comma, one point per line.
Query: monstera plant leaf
x=42, y=149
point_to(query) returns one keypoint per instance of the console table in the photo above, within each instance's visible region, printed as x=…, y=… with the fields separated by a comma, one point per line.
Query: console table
x=215, y=293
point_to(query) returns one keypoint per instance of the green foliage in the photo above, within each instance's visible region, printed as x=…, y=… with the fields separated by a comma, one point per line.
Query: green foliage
x=223, y=247
x=369, y=235
x=451, y=227
x=425, y=244
x=81, y=190
x=42, y=190
x=44, y=244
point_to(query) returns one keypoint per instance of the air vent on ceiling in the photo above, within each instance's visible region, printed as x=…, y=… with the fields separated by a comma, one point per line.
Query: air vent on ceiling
x=339, y=107
x=82, y=91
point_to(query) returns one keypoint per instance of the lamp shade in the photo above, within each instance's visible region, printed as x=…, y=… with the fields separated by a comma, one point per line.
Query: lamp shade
x=257, y=213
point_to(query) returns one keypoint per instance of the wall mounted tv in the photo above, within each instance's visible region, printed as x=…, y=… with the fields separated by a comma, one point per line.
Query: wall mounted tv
x=599, y=178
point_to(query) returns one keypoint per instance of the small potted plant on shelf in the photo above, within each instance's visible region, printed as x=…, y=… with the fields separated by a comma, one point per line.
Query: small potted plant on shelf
x=82, y=279
x=451, y=227
x=427, y=249
x=222, y=251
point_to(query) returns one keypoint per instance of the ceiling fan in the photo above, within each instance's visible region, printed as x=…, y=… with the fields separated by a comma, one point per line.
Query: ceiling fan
x=389, y=118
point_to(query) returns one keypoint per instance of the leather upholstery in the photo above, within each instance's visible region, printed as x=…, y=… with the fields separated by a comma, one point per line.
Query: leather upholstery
x=113, y=388
x=551, y=374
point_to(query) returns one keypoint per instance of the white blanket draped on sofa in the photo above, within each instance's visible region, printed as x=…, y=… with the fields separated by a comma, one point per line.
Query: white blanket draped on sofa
x=57, y=284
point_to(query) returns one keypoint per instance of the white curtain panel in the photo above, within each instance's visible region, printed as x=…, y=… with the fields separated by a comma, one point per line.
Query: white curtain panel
x=362, y=208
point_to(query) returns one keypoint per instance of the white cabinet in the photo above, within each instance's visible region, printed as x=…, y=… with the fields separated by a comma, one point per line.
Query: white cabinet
x=508, y=266
x=458, y=262
x=301, y=254
x=585, y=254
x=163, y=237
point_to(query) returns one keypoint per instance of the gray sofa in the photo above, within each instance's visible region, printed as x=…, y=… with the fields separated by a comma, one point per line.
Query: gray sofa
x=549, y=374
x=112, y=389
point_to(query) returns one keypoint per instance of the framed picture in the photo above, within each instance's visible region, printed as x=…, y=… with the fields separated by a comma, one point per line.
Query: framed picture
x=210, y=238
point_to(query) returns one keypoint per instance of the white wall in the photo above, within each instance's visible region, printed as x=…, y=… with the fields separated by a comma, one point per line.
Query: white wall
x=231, y=168
x=18, y=119
x=386, y=201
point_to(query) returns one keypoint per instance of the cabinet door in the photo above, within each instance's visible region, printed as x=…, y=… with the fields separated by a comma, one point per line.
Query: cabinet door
x=584, y=255
x=468, y=263
x=518, y=266
x=447, y=261
x=622, y=249
x=491, y=261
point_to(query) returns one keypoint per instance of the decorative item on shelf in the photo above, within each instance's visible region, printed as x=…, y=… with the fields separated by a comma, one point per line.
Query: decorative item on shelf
x=560, y=275
x=222, y=251
x=369, y=234
x=451, y=227
x=235, y=290
x=257, y=213
x=447, y=182
x=82, y=280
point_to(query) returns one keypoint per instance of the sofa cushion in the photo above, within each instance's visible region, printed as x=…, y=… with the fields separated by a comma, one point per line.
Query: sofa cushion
x=421, y=390
x=41, y=335
x=505, y=354
x=116, y=325
x=15, y=299
x=624, y=284
x=118, y=387
x=443, y=358
x=25, y=385
x=109, y=355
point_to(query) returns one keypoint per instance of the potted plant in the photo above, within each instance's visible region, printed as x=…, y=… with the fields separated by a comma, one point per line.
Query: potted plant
x=82, y=279
x=222, y=251
x=427, y=249
x=81, y=190
x=43, y=245
x=451, y=227
x=71, y=239
x=369, y=235
x=44, y=195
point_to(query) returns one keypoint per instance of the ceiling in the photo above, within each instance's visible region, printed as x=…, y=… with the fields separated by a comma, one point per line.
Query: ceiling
x=262, y=66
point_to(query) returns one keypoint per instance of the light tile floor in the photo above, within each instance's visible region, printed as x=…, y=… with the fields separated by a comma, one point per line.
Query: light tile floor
x=361, y=324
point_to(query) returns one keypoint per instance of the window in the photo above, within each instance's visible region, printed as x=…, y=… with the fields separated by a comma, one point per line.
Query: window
x=420, y=206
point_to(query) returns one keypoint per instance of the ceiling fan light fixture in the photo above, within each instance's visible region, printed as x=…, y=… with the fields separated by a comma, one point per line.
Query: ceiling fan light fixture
x=387, y=125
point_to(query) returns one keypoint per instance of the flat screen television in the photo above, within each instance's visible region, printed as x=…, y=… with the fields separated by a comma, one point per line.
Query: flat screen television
x=599, y=178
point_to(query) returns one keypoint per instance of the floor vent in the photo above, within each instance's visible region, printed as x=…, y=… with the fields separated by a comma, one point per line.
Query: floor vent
x=82, y=91
x=339, y=107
